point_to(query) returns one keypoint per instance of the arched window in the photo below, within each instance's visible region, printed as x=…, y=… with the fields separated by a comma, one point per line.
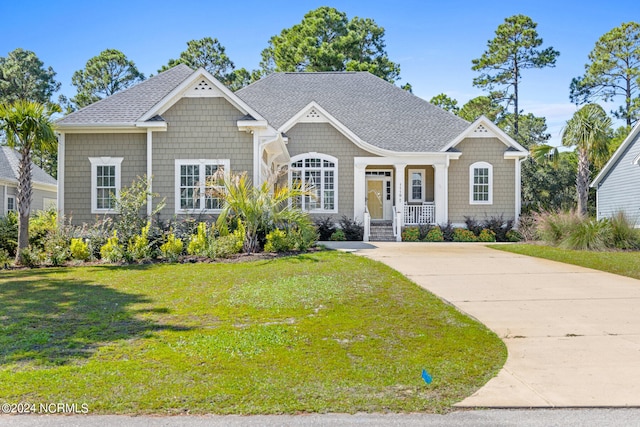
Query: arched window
x=319, y=172
x=481, y=183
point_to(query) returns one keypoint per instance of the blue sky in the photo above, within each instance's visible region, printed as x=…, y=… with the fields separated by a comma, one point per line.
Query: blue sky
x=433, y=41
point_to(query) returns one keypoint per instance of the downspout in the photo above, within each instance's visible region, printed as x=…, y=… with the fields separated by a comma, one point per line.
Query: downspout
x=61, y=160
x=518, y=189
x=149, y=172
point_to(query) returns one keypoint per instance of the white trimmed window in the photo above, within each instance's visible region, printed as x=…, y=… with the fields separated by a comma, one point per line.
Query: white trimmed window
x=196, y=185
x=481, y=183
x=11, y=204
x=416, y=185
x=319, y=173
x=105, y=183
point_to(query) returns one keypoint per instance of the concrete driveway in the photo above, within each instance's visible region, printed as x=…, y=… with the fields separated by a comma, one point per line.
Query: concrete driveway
x=573, y=334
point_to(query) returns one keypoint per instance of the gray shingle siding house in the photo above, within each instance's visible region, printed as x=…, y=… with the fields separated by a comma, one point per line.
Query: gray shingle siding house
x=618, y=183
x=44, y=186
x=370, y=150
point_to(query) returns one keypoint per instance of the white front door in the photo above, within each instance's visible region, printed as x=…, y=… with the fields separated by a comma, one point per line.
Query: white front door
x=380, y=197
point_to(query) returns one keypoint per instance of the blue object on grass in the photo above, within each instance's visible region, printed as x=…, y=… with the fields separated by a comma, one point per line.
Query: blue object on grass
x=426, y=377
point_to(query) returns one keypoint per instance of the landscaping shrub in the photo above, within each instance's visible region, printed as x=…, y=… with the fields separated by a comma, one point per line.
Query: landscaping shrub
x=623, y=233
x=464, y=235
x=56, y=248
x=499, y=226
x=487, y=235
x=526, y=228
x=79, y=250
x=5, y=258
x=230, y=244
x=411, y=234
x=447, y=231
x=225, y=246
x=554, y=227
x=338, y=236
x=588, y=234
x=139, y=248
x=278, y=241
x=172, y=249
x=31, y=256
x=9, y=233
x=40, y=225
x=424, y=230
x=474, y=226
x=514, y=236
x=353, y=231
x=326, y=227
x=112, y=251
x=96, y=235
x=434, y=235
x=199, y=242
x=131, y=207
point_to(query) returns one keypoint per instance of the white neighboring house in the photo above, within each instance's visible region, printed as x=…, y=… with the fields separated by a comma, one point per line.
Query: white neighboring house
x=618, y=183
x=45, y=187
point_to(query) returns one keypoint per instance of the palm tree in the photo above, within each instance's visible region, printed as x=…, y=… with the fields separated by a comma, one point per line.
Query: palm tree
x=27, y=126
x=588, y=131
x=259, y=208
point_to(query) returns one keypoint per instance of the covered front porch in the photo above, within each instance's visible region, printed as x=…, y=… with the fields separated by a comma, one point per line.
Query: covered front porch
x=398, y=192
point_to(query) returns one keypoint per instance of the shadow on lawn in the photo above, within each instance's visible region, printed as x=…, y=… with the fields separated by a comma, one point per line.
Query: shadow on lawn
x=51, y=321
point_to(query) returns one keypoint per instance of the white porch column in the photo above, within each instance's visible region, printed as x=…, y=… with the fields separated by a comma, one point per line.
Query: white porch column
x=149, y=171
x=441, y=192
x=519, y=188
x=359, y=190
x=399, y=213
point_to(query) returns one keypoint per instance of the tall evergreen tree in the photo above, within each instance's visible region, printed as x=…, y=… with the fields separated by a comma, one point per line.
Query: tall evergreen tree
x=613, y=71
x=109, y=72
x=514, y=49
x=24, y=76
x=326, y=40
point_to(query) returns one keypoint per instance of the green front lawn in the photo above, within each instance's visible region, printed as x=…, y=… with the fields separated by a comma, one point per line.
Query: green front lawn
x=320, y=332
x=623, y=263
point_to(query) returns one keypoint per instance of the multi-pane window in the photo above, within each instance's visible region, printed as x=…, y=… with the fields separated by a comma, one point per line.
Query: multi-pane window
x=105, y=183
x=11, y=203
x=105, y=187
x=318, y=173
x=480, y=180
x=416, y=185
x=198, y=185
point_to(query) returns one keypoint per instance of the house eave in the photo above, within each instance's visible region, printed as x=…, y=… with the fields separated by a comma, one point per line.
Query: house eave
x=616, y=156
x=36, y=185
x=249, y=125
x=515, y=154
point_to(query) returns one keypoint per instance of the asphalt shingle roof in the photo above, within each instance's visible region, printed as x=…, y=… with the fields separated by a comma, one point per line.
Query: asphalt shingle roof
x=378, y=112
x=132, y=103
x=9, y=164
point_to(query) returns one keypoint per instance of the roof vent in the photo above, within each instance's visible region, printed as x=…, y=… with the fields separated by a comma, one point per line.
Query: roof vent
x=481, y=129
x=313, y=114
x=203, y=85
x=203, y=89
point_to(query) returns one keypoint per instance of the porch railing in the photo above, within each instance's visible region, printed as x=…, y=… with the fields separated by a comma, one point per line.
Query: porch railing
x=420, y=214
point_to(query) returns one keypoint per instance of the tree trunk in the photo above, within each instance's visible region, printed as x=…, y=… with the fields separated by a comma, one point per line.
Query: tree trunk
x=582, y=181
x=516, y=113
x=628, y=102
x=23, y=200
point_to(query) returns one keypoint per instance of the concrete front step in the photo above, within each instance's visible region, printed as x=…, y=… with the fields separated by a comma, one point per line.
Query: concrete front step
x=381, y=233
